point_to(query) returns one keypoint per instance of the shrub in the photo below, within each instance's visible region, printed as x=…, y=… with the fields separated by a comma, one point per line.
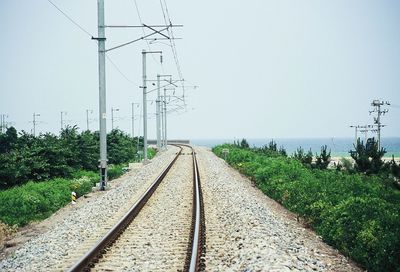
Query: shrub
x=33, y=201
x=244, y=144
x=368, y=159
x=356, y=213
x=38, y=200
x=323, y=159
x=26, y=157
x=115, y=171
x=304, y=158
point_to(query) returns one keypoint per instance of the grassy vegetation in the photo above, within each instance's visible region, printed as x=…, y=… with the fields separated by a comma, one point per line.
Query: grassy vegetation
x=39, y=173
x=35, y=201
x=358, y=214
x=25, y=157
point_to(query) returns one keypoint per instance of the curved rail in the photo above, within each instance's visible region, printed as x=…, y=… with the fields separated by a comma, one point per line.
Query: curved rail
x=196, y=249
x=197, y=240
x=99, y=248
x=198, y=231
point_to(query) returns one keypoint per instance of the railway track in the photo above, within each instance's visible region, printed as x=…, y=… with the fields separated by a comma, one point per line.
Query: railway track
x=163, y=230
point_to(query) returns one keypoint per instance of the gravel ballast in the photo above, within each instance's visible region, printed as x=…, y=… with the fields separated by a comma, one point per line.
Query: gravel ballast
x=247, y=231
x=71, y=234
x=158, y=238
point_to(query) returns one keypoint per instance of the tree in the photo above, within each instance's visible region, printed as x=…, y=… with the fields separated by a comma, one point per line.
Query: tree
x=394, y=168
x=282, y=151
x=367, y=158
x=272, y=146
x=121, y=148
x=8, y=140
x=323, y=159
x=244, y=144
x=304, y=158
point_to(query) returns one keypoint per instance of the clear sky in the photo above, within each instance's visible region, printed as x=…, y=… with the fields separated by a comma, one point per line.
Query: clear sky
x=265, y=69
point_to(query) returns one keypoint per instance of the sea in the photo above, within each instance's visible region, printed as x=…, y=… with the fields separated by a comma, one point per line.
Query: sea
x=339, y=147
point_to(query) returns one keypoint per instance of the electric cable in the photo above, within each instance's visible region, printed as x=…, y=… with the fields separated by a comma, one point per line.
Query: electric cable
x=70, y=19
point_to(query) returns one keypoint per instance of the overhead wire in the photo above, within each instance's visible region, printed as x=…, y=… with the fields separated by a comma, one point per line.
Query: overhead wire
x=134, y=2
x=167, y=20
x=70, y=19
x=119, y=70
x=90, y=35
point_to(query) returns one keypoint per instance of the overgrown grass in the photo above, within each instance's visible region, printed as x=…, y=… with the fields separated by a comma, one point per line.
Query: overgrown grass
x=115, y=171
x=151, y=152
x=35, y=200
x=358, y=214
x=38, y=200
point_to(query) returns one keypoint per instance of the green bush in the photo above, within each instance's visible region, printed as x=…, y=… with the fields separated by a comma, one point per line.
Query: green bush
x=151, y=152
x=25, y=157
x=368, y=158
x=38, y=200
x=356, y=213
x=33, y=201
x=115, y=171
x=44, y=170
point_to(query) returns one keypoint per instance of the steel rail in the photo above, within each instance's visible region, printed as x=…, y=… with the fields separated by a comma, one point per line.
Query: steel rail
x=87, y=261
x=196, y=241
x=196, y=250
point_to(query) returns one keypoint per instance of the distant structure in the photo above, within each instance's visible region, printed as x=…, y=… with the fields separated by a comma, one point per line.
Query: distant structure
x=376, y=127
x=177, y=141
x=3, y=123
x=377, y=120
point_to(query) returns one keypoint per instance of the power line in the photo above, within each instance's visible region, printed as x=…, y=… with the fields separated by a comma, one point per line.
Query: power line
x=70, y=19
x=167, y=20
x=119, y=70
x=144, y=32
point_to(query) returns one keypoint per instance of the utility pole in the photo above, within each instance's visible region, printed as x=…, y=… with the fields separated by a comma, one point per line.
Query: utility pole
x=377, y=120
x=355, y=137
x=133, y=118
x=165, y=119
x=365, y=131
x=62, y=120
x=87, y=118
x=112, y=116
x=165, y=115
x=3, y=123
x=162, y=120
x=158, y=114
x=34, y=122
x=102, y=80
x=144, y=108
x=101, y=42
x=144, y=52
